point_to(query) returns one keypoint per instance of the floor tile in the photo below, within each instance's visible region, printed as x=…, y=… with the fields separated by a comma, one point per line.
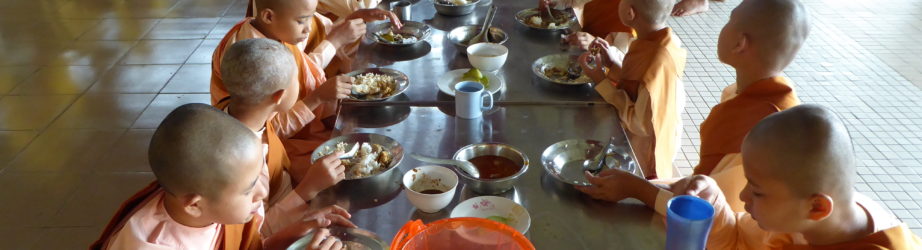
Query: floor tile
x=191, y=78
x=58, y=80
x=106, y=111
x=163, y=105
x=101, y=54
x=20, y=237
x=204, y=52
x=135, y=79
x=182, y=28
x=72, y=151
x=108, y=189
x=13, y=75
x=129, y=154
x=161, y=51
x=32, y=112
x=67, y=237
x=119, y=29
x=34, y=210
x=12, y=142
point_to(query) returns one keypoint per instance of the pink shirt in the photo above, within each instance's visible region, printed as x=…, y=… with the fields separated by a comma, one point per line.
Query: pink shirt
x=152, y=228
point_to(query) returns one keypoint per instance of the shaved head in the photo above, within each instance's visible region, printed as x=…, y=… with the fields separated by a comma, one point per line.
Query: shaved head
x=254, y=69
x=775, y=28
x=653, y=11
x=807, y=148
x=198, y=149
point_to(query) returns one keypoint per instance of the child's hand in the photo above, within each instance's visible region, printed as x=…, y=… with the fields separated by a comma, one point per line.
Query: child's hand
x=597, y=73
x=336, y=215
x=601, y=48
x=544, y=4
x=371, y=15
x=335, y=88
x=324, y=173
x=701, y=186
x=293, y=232
x=580, y=39
x=347, y=32
x=324, y=241
x=609, y=185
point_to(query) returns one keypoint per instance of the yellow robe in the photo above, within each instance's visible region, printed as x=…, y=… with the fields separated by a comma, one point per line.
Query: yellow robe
x=645, y=95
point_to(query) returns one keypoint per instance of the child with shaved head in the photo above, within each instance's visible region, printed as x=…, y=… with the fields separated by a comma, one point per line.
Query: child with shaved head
x=207, y=194
x=800, y=169
x=301, y=127
x=759, y=41
x=645, y=89
x=261, y=80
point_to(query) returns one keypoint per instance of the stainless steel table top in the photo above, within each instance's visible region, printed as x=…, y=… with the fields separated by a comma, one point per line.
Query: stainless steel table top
x=424, y=63
x=562, y=217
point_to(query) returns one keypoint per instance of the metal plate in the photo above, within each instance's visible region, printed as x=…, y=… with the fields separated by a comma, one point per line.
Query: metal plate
x=523, y=16
x=565, y=160
x=389, y=144
x=419, y=30
x=400, y=79
x=460, y=36
x=356, y=239
x=560, y=61
x=447, y=81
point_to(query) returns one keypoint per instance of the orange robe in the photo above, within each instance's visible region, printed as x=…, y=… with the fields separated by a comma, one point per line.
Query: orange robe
x=645, y=93
x=600, y=17
x=299, y=129
x=722, y=134
x=232, y=237
x=738, y=230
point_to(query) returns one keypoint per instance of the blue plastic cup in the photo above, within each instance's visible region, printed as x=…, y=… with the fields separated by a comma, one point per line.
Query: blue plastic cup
x=688, y=222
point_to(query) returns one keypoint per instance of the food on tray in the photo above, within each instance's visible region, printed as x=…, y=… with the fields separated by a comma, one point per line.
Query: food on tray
x=373, y=86
x=389, y=36
x=475, y=75
x=571, y=73
x=455, y=2
x=370, y=159
x=495, y=167
x=537, y=21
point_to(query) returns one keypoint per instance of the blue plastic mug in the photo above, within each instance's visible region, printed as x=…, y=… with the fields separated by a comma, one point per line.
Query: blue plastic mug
x=688, y=222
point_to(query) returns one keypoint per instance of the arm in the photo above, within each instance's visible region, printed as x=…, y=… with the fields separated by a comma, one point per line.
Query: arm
x=326, y=50
x=636, y=116
x=615, y=185
x=730, y=230
x=287, y=124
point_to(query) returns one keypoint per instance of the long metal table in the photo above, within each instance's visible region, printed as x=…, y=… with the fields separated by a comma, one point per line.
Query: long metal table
x=529, y=115
x=425, y=62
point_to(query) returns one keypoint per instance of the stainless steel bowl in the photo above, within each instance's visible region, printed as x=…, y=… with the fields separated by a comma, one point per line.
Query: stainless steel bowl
x=455, y=10
x=420, y=30
x=389, y=144
x=561, y=61
x=354, y=238
x=400, y=79
x=565, y=160
x=492, y=186
x=523, y=16
x=461, y=35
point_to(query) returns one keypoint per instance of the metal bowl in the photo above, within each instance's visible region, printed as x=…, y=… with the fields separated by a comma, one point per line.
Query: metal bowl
x=561, y=61
x=353, y=237
x=461, y=35
x=492, y=186
x=565, y=160
x=417, y=29
x=523, y=16
x=455, y=10
x=400, y=79
x=389, y=144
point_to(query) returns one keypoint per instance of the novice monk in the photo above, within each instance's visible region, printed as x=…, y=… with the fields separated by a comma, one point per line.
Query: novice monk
x=801, y=172
x=207, y=166
x=301, y=128
x=758, y=50
x=261, y=78
x=645, y=89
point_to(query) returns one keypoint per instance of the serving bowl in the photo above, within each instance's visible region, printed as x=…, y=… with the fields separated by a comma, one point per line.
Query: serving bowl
x=492, y=186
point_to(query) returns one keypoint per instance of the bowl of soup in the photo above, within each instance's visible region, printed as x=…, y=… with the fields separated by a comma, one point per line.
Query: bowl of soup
x=500, y=166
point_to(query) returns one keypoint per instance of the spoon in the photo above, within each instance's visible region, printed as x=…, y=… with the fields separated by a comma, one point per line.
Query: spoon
x=466, y=166
x=482, y=36
x=598, y=161
x=351, y=153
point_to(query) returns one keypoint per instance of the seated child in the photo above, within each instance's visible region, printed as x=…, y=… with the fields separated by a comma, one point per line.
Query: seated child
x=206, y=195
x=800, y=168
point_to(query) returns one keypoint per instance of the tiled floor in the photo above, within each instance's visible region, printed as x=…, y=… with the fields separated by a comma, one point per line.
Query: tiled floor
x=84, y=82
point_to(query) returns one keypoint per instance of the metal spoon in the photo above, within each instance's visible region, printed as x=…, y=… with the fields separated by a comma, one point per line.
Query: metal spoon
x=483, y=36
x=465, y=166
x=598, y=161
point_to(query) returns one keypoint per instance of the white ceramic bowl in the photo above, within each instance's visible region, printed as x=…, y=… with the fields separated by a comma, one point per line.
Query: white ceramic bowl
x=488, y=57
x=516, y=215
x=428, y=178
